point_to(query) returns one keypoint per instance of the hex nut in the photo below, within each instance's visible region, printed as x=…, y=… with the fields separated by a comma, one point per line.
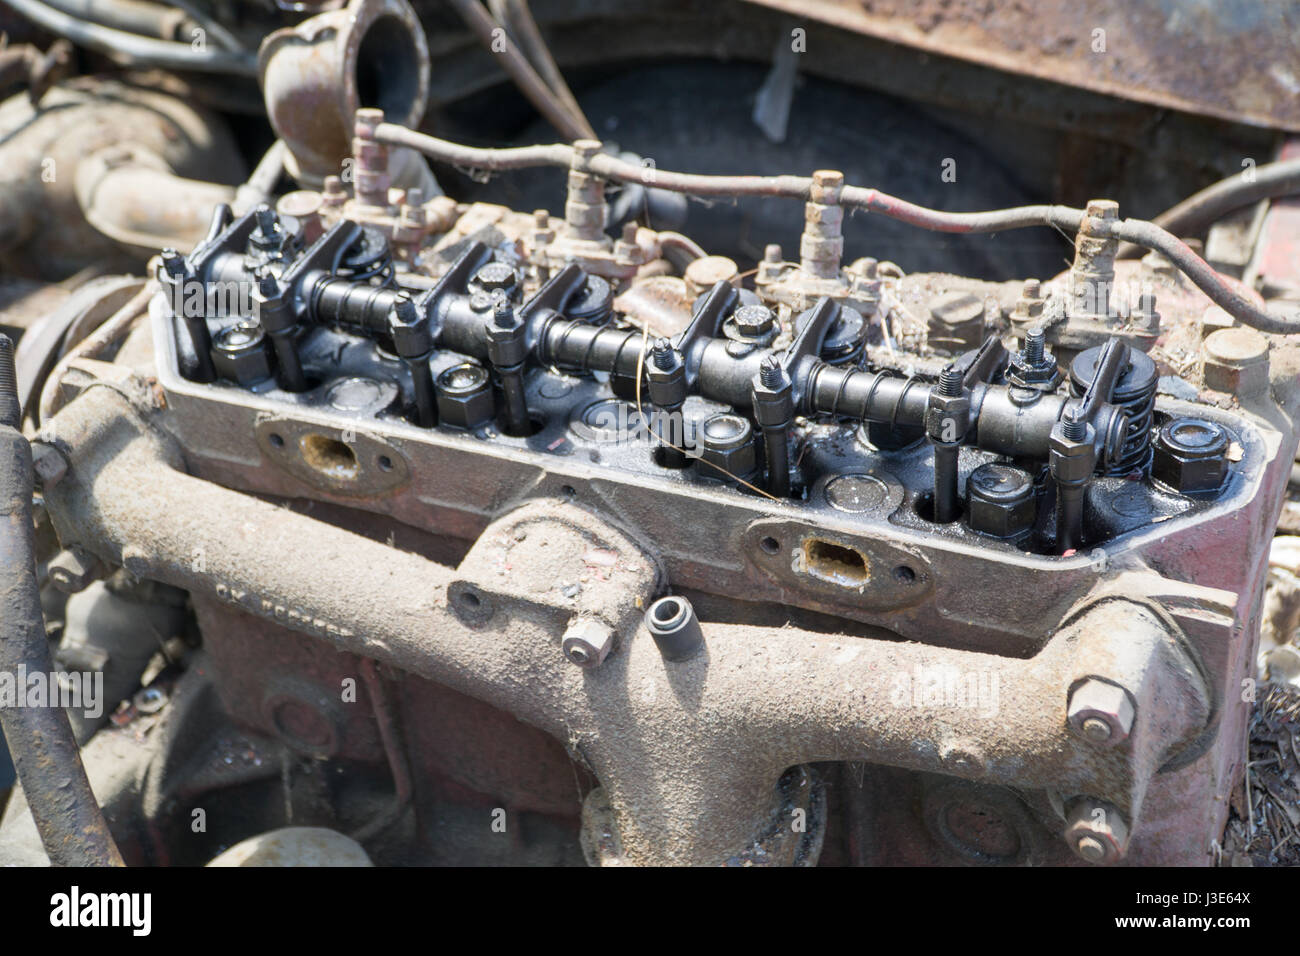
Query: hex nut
x=1190, y=455
x=1000, y=500
x=726, y=447
x=753, y=321
x=1071, y=461
x=495, y=277
x=240, y=354
x=1102, y=713
x=1096, y=831
x=587, y=642
x=464, y=394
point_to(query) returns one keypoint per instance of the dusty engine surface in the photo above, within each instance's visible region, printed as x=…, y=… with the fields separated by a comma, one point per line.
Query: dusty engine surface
x=484, y=536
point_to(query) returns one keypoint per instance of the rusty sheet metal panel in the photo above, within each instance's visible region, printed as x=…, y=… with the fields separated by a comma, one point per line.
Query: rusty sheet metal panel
x=1234, y=59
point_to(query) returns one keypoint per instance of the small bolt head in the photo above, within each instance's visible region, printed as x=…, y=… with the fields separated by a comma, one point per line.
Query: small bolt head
x=496, y=277
x=753, y=320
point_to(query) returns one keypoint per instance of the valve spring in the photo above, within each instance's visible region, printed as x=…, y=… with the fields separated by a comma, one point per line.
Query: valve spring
x=370, y=261
x=1135, y=394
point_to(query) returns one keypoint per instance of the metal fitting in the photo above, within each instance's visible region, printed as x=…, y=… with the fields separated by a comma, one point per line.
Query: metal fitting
x=410, y=334
x=1029, y=306
x=772, y=395
x=1096, y=831
x=1033, y=366
x=465, y=396
x=727, y=447
x=1100, y=712
x=587, y=642
x=1190, y=455
x=772, y=266
x=675, y=628
x=240, y=354
x=821, y=247
x=506, y=336
x=1000, y=500
x=1236, y=361
x=413, y=342
x=495, y=277
x=1072, y=458
x=947, y=413
x=1092, y=275
x=751, y=324
x=666, y=372
x=585, y=209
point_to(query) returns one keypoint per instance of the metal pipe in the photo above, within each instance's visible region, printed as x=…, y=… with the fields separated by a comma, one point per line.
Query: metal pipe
x=484, y=26
x=1202, y=209
x=1230, y=298
x=133, y=48
x=45, y=754
x=518, y=20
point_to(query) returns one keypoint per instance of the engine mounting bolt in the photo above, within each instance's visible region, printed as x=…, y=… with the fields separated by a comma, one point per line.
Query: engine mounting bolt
x=1237, y=362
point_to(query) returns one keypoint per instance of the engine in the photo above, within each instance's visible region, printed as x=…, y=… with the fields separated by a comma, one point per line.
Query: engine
x=520, y=527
